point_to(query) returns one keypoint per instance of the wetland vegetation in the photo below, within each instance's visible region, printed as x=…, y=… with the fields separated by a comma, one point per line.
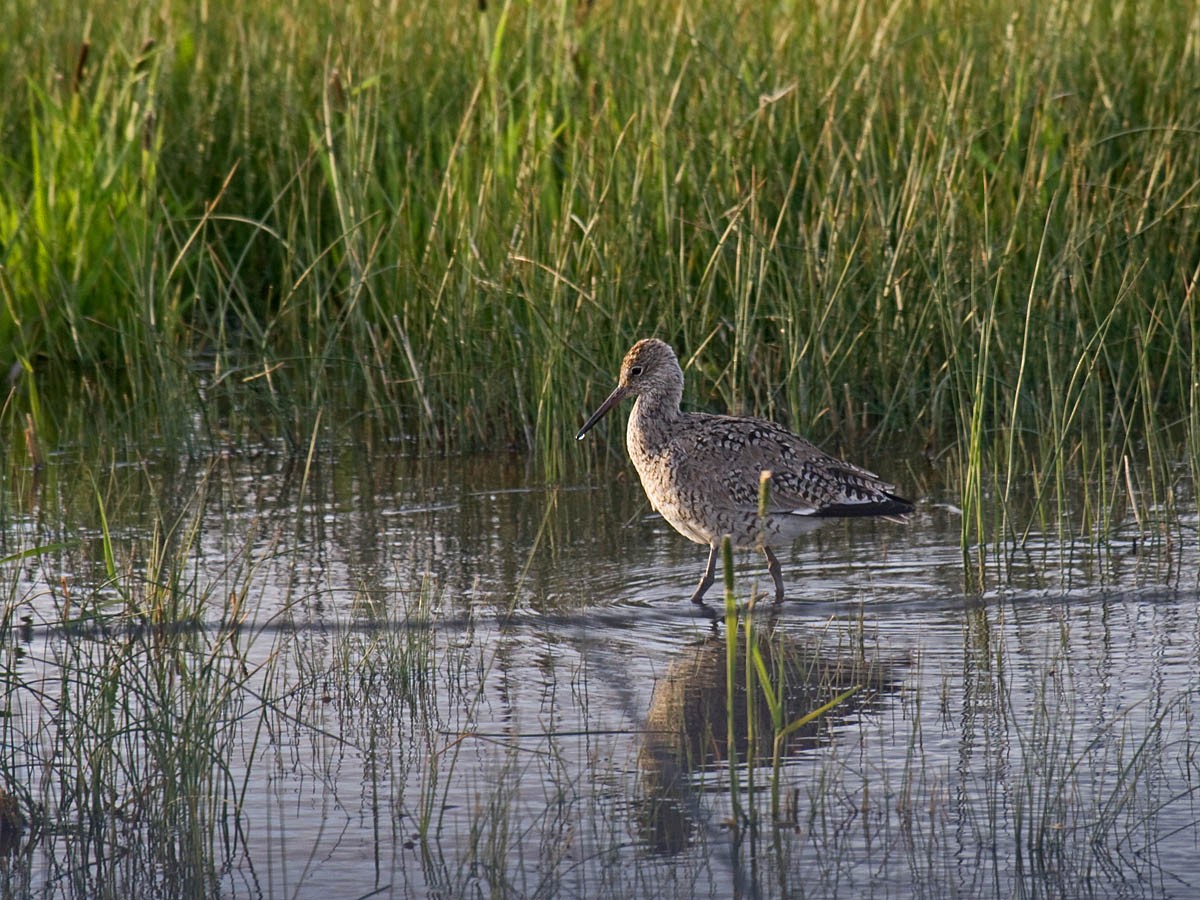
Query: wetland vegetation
x=307, y=587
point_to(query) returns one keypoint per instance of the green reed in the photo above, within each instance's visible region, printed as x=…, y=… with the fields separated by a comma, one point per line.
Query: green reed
x=121, y=721
x=143, y=689
x=969, y=226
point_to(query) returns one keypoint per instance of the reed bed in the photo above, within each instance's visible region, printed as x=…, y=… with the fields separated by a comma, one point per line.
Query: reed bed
x=966, y=224
x=147, y=696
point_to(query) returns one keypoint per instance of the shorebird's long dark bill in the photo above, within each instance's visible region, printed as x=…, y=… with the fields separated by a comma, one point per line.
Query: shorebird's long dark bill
x=613, y=399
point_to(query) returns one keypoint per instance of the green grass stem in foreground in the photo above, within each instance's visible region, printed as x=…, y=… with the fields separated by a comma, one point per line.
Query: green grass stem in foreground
x=144, y=692
x=961, y=223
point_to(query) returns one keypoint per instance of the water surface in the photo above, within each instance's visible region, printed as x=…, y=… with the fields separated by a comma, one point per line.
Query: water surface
x=372, y=676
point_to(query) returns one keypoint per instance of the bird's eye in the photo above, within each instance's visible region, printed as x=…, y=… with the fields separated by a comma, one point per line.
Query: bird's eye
x=635, y=371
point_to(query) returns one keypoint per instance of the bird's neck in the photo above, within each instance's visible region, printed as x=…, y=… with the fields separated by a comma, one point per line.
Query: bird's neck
x=652, y=419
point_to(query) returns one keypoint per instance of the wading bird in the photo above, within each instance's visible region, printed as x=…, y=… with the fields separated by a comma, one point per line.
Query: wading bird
x=703, y=472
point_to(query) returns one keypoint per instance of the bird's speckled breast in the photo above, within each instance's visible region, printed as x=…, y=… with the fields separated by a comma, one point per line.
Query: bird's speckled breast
x=668, y=495
x=661, y=456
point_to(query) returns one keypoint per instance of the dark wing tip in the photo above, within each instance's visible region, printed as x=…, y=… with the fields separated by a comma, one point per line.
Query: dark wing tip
x=891, y=505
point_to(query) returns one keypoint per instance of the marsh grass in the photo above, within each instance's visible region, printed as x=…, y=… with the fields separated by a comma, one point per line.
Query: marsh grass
x=969, y=226
x=146, y=695
x=123, y=737
x=125, y=706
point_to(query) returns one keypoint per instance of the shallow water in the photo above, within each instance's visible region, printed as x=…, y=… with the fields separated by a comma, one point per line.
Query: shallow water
x=448, y=679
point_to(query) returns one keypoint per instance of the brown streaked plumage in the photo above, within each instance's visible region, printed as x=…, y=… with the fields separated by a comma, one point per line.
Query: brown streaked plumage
x=702, y=472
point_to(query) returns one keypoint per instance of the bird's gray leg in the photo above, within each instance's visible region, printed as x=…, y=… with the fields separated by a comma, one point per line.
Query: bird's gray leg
x=776, y=573
x=709, y=575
